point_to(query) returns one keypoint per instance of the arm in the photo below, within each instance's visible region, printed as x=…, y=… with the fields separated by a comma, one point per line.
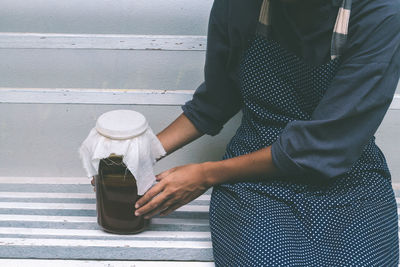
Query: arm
x=242, y=168
x=178, y=134
x=346, y=118
x=353, y=107
x=182, y=184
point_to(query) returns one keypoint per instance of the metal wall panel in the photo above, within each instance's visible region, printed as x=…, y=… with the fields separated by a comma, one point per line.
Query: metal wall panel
x=178, y=17
x=43, y=139
x=66, y=68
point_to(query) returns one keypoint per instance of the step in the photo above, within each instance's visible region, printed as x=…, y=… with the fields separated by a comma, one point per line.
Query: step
x=55, y=218
x=82, y=263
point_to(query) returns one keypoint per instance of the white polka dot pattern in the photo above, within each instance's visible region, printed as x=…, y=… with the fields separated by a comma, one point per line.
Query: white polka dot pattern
x=348, y=221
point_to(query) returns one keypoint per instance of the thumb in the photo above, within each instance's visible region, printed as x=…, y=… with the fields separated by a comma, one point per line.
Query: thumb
x=164, y=174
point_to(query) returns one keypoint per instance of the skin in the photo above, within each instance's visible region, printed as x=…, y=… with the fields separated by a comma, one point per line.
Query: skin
x=180, y=185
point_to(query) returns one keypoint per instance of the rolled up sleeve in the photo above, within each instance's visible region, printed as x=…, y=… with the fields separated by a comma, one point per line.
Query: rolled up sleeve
x=218, y=98
x=351, y=109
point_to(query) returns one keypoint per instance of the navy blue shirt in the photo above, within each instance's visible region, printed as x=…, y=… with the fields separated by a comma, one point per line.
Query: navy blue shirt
x=353, y=106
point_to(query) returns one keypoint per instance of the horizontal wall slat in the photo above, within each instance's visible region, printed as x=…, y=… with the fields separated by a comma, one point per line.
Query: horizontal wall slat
x=102, y=41
x=106, y=96
x=35, y=195
x=104, y=243
x=98, y=233
x=86, y=263
x=95, y=96
x=176, y=17
x=45, y=180
x=80, y=206
x=93, y=219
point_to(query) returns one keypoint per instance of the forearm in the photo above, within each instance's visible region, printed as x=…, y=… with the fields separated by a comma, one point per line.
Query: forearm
x=179, y=133
x=241, y=168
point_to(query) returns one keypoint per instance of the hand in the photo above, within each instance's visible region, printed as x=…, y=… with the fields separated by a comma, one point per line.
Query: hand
x=177, y=187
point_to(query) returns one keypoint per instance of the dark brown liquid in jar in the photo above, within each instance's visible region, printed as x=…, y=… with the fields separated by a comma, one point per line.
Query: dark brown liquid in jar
x=116, y=195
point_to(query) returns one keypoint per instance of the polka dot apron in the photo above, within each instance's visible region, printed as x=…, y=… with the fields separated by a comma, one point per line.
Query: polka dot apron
x=349, y=221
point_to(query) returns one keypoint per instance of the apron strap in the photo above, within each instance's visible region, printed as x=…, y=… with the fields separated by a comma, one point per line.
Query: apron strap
x=340, y=30
x=264, y=21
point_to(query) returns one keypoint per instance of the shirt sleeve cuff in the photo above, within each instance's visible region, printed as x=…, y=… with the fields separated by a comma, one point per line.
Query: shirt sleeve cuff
x=200, y=125
x=283, y=161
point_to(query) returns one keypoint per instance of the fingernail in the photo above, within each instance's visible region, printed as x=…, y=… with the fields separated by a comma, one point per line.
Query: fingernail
x=137, y=213
x=136, y=205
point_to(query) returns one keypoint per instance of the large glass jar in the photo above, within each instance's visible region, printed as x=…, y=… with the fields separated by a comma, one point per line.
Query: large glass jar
x=121, y=146
x=116, y=195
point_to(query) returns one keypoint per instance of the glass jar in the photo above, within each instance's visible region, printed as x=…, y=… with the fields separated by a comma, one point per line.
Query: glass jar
x=116, y=195
x=116, y=186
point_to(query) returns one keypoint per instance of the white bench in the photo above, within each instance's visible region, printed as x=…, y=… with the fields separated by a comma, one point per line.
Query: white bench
x=55, y=218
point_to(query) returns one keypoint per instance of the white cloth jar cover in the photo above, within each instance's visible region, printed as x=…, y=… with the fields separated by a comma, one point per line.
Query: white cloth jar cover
x=127, y=134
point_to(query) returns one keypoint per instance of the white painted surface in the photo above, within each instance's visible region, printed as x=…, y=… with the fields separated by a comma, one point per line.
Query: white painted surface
x=92, y=219
x=80, y=263
x=80, y=206
x=102, y=41
x=94, y=96
x=42, y=140
x=44, y=180
x=44, y=194
x=106, y=96
x=387, y=138
x=55, y=180
x=100, y=233
x=398, y=87
x=396, y=186
x=37, y=235
x=40, y=218
x=103, y=243
x=396, y=102
x=102, y=69
x=179, y=17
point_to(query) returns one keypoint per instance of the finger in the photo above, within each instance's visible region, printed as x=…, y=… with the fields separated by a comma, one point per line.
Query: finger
x=149, y=195
x=164, y=174
x=161, y=207
x=152, y=205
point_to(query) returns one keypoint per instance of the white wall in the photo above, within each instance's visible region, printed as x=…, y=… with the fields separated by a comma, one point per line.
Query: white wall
x=82, y=68
x=42, y=139
x=175, y=17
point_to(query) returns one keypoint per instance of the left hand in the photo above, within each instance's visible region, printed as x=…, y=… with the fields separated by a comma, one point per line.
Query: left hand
x=177, y=187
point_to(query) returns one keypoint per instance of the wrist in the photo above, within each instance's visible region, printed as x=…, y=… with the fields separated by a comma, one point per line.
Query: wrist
x=212, y=172
x=162, y=141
